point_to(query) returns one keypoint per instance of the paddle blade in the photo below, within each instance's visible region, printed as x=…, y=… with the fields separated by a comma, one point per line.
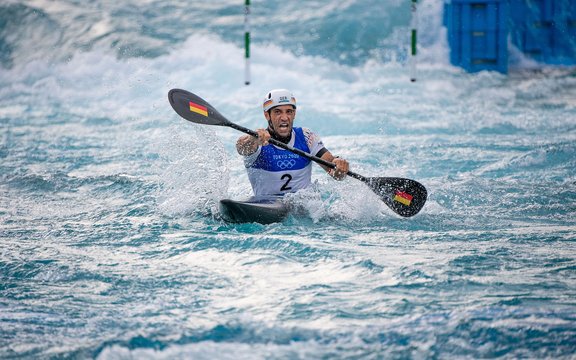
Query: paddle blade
x=404, y=196
x=195, y=109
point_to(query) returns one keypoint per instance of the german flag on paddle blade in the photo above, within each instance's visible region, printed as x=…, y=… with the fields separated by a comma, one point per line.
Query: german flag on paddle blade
x=199, y=109
x=403, y=198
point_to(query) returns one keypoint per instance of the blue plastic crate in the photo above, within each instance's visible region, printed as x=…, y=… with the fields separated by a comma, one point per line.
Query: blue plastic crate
x=477, y=32
x=544, y=30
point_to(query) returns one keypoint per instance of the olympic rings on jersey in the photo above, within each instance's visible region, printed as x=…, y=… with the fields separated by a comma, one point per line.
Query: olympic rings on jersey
x=286, y=164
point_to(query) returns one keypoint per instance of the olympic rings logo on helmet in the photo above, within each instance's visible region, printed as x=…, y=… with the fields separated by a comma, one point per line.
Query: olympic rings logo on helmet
x=286, y=164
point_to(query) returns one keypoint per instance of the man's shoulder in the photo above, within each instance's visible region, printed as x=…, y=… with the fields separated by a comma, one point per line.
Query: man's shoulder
x=312, y=139
x=307, y=131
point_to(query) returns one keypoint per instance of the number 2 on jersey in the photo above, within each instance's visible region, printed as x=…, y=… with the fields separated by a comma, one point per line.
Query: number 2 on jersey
x=288, y=178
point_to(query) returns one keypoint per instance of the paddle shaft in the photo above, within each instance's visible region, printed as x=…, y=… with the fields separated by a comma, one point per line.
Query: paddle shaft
x=296, y=151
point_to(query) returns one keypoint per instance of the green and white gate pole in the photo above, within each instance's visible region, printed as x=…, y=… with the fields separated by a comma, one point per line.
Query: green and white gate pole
x=247, y=43
x=413, y=43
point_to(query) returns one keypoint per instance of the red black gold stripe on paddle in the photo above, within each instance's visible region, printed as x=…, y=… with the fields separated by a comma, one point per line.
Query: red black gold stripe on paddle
x=199, y=109
x=403, y=198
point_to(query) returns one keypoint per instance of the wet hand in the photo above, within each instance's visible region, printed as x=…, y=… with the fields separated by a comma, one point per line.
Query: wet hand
x=263, y=137
x=341, y=169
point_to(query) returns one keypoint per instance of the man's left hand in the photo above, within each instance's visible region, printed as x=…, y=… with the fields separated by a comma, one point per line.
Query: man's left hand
x=341, y=169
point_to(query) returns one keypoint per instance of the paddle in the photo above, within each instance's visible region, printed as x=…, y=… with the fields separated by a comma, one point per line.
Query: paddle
x=404, y=196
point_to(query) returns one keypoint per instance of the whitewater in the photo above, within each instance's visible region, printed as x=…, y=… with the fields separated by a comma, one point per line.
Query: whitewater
x=111, y=243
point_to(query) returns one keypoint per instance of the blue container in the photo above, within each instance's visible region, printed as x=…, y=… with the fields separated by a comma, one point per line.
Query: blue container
x=544, y=30
x=477, y=34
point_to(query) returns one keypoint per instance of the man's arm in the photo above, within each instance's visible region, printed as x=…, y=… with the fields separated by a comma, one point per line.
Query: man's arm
x=317, y=148
x=248, y=144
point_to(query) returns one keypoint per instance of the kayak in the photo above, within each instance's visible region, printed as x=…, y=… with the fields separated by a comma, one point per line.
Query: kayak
x=259, y=209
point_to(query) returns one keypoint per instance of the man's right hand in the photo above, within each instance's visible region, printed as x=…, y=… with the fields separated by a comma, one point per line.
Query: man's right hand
x=263, y=137
x=248, y=144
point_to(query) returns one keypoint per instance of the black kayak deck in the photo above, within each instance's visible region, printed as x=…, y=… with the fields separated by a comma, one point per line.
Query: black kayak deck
x=259, y=209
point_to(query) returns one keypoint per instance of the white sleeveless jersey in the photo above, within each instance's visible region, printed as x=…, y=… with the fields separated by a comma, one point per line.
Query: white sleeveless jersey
x=275, y=171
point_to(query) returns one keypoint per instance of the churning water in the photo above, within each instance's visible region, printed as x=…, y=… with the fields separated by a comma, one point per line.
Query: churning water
x=111, y=243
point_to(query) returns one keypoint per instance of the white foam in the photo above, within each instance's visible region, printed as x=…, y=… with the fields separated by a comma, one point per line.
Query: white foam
x=193, y=171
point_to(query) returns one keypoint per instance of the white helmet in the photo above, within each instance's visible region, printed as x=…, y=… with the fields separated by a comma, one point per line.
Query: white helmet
x=278, y=97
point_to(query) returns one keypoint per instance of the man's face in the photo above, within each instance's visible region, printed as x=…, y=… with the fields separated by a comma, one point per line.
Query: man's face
x=282, y=119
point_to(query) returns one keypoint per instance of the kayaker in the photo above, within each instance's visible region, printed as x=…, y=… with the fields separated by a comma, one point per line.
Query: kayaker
x=273, y=170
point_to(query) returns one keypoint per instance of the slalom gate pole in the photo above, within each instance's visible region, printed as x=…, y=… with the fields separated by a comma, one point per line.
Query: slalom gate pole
x=413, y=40
x=247, y=42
